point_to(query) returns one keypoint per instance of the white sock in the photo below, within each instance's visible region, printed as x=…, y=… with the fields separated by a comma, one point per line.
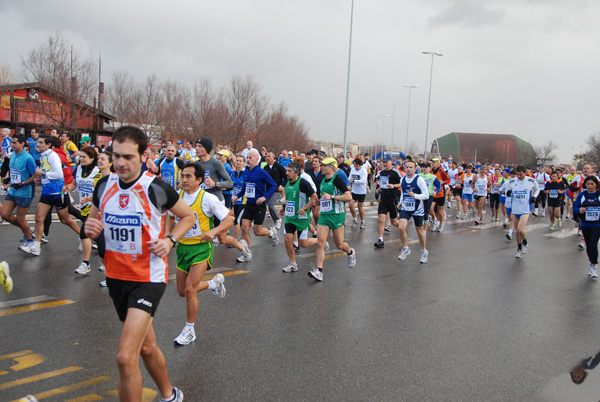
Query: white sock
x=212, y=284
x=37, y=243
x=295, y=244
x=510, y=231
x=189, y=325
x=381, y=238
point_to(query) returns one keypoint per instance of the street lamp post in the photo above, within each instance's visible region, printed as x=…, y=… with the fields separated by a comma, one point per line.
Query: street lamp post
x=429, y=101
x=410, y=88
x=348, y=77
x=375, y=139
x=383, y=116
x=393, y=118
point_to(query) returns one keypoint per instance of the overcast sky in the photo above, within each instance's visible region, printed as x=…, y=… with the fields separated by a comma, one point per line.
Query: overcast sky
x=523, y=67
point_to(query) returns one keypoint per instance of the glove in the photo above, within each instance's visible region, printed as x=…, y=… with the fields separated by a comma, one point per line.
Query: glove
x=509, y=193
x=17, y=186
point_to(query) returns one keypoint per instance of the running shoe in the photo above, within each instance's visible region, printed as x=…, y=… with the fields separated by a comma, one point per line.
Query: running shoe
x=296, y=247
x=315, y=274
x=582, y=244
x=362, y=224
x=274, y=237
x=559, y=222
x=590, y=270
x=567, y=217
x=405, y=252
x=30, y=248
x=552, y=227
x=326, y=246
x=246, y=253
x=94, y=246
x=379, y=244
x=579, y=233
x=278, y=224
x=103, y=284
x=477, y=221
x=5, y=279
x=458, y=215
x=434, y=226
x=83, y=269
x=441, y=228
x=240, y=259
x=219, y=291
x=354, y=222
x=45, y=239
x=80, y=246
x=291, y=267
x=508, y=236
x=22, y=239
x=424, y=255
x=519, y=254
x=102, y=268
x=524, y=249
x=593, y=274
x=387, y=228
x=352, y=258
x=505, y=224
x=178, y=396
x=187, y=336
x=543, y=213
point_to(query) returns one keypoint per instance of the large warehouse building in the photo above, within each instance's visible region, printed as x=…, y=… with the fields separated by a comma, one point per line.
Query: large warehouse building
x=486, y=148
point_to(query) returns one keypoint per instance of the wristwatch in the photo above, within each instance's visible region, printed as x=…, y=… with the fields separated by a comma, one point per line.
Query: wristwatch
x=173, y=238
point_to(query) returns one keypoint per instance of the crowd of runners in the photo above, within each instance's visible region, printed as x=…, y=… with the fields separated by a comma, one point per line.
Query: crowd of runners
x=135, y=202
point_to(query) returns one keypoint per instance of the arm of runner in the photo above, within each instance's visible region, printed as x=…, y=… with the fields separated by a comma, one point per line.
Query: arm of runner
x=93, y=224
x=161, y=247
x=221, y=212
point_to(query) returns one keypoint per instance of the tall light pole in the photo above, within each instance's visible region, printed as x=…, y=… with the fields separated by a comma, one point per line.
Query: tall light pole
x=383, y=116
x=429, y=101
x=348, y=78
x=375, y=139
x=393, y=118
x=410, y=88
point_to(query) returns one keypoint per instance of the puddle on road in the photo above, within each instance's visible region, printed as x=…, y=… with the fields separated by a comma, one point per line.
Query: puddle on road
x=581, y=384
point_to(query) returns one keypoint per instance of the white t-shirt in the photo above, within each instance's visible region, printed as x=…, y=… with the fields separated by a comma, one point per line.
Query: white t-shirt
x=359, y=185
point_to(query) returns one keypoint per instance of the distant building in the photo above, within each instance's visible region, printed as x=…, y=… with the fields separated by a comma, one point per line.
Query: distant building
x=486, y=148
x=34, y=105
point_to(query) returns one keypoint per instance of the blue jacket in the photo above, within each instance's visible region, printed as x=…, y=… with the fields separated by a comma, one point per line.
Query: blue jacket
x=258, y=182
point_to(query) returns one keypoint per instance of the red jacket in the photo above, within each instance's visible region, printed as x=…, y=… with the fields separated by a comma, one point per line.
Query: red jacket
x=66, y=165
x=444, y=180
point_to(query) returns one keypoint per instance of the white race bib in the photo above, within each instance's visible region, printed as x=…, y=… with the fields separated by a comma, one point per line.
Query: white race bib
x=250, y=190
x=290, y=208
x=195, y=231
x=123, y=233
x=408, y=204
x=326, y=205
x=553, y=193
x=384, y=181
x=15, y=175
x=592, y=214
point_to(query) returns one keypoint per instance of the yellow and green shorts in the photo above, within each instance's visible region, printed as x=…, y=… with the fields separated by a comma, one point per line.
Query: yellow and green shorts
x=190, y=254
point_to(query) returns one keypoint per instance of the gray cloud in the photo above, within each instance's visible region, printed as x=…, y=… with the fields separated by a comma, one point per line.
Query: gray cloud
x=467, y=14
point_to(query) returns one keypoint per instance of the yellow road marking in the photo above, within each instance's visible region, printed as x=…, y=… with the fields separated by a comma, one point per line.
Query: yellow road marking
x=69, y=388
x=16, y=354
x=33, y=307
x=148, y=395
x=27, y=361
x=38, y=377
x=226, y=273
x=468, y=231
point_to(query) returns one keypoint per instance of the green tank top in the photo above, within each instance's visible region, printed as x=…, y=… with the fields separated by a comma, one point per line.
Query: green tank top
x=296, y=200
x=429, y=180
x=331, y=206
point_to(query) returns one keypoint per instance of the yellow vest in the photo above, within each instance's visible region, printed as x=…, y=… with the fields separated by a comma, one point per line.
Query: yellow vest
x=203, y=223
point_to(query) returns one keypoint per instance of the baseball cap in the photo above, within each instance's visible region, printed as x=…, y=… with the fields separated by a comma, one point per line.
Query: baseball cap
x=398, y=163
x=436, y=159
x=85, y=139
x=330, y=161
x=387, y=158
x=180, y=142
x=224, y=152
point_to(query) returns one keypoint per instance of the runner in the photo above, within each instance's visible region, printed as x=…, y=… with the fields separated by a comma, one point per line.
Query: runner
x=439, y=197
x=452, y=172
x=106, y=167
x=457, y=191
x=334, y=195
x=467, y=192
x=388, y=181
x=53, y=183
x=189, y=153
x=195, y=249
x=494, y=193
x=523, y=191
x=238, y=208
x=542, y=178
x=170, y=167
x=555, y=191
x=70, y=149
x=136, y=257
x=257, y=188
x=414, y=192
x=481, y=186
x=278, y=174
x=87, y=175
x=358, y=180
x=22, y=170
x=587, y=207
x=433, y=186
x=300, y=198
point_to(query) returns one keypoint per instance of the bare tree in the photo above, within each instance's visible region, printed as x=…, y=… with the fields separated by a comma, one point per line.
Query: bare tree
x=6, y=75
x=545, y=154
x=240, y=99
x=593, y=153
x=119, y=96
x=71, y=77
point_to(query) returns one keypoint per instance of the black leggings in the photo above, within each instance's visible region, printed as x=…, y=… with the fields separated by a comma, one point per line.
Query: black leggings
x=494, y=201
x=72, y=211
x=591, y=236
x=541, y=199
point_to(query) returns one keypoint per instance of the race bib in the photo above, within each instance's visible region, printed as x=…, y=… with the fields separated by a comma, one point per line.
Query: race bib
x=408, y=204
x=15, y=175
x=326, y=205
x=123, y=233
x=167, y=178
x=553, y=194
x=290, y=208
x=250, y=190
x=481, y=188
x=384, y=181
x=592, y=214
x=237, y=190
x=355, y=177
x=203, y=185
x=195, y=231
x=520, y=196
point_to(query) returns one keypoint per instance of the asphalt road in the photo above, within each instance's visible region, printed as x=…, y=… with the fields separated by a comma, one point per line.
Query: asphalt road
x=474, y=323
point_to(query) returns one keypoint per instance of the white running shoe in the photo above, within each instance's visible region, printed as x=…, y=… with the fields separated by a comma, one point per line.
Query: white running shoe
x=441, y=228
x=103, y=284
x=590, y=270
x=523, y=249
x=509, y=236
x=582, y=245
x=434, y=226
x=387, y=228
x=274, y=238
x=354, y=222
x=102, y=268
x=519, y=254
x=352, y=258
x=291, y=267
x=246, y=253
x=326, y=246
x=424, y=255
x=278, y=224
x=405, y=252
x=220, y=289
x=315, y=274
x=5, y=279
x=594, y=274
x=178, y=396
x=83, y=269
x=362, y=224
x=186, y=337
x=30, y=248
